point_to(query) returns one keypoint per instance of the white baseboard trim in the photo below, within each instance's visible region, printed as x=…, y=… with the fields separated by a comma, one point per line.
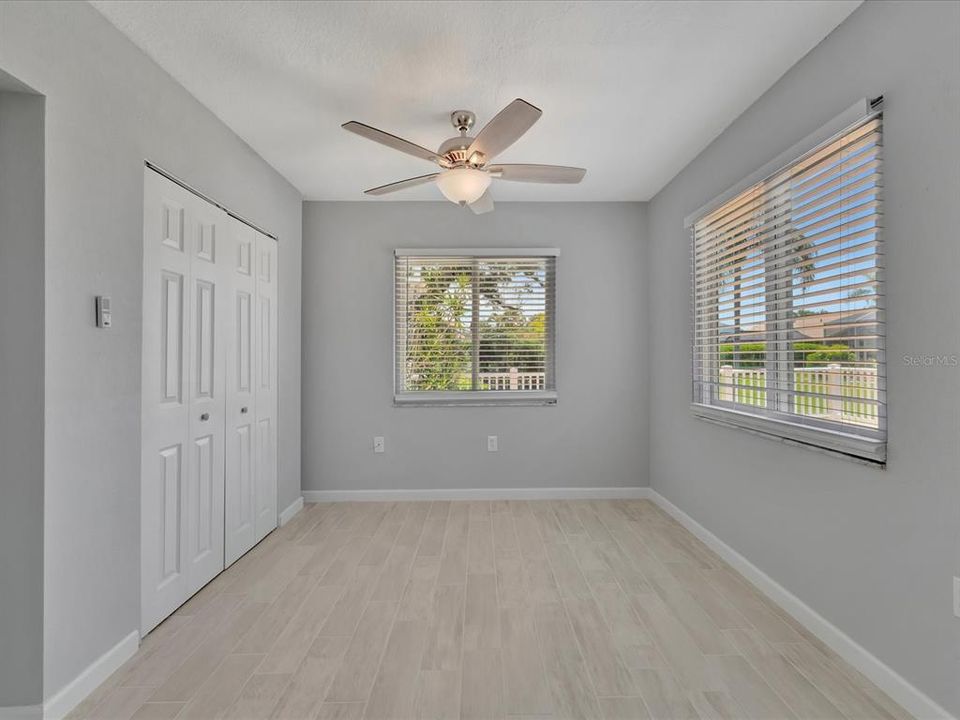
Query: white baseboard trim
x=559, y=493
x=91, y=678
x=21, y=712
x=909, y=697
x=291, y=510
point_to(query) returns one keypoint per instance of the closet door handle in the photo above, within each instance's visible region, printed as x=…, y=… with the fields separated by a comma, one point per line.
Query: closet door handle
x=204, y=417
x=243, y=410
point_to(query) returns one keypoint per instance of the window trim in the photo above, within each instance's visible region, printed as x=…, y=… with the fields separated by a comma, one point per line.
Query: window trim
x=466, y=398
x=872, y=450
x=868, y=446
x=498, y=398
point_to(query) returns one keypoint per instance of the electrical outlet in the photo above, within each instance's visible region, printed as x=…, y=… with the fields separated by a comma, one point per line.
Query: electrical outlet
x=492, y=445
x=956, y=596
x=378, y=446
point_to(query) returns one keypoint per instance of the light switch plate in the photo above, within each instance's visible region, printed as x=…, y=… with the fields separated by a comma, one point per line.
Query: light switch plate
x=104, y=313
x=378, y=444
x=956, y=596
x=492, y=443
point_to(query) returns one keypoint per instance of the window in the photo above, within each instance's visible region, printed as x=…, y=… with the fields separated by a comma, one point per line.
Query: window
x=475, y=326
x=788, y=327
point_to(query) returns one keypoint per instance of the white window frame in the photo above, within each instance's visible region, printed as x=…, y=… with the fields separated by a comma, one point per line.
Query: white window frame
x=468, y=398
x=807, y=432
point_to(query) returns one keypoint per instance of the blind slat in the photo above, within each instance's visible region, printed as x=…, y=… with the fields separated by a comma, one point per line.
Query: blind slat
x=800, y=167
x=773, y=205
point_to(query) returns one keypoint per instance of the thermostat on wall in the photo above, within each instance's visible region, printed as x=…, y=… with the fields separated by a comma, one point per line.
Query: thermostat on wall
x=103, y=311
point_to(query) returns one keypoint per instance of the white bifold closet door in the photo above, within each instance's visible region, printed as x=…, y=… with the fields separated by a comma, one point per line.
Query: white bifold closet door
x=240, y=509
x=266, y=384
x=251, y=339
x=208, y=467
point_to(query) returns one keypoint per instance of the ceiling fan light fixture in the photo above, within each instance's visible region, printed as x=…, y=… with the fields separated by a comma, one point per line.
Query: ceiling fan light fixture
x=463, y=184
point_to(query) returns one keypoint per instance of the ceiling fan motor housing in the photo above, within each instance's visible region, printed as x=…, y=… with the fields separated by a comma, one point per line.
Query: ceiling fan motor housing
x=454, y=150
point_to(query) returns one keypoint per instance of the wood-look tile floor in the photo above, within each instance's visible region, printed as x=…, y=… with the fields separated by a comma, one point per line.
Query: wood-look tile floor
x=546, y=609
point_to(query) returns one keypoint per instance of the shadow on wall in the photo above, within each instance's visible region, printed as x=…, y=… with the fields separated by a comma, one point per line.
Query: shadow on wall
x=21, y=393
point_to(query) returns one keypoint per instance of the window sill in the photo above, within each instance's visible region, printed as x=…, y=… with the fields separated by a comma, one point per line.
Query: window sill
x=847, y=445
x=467, y=398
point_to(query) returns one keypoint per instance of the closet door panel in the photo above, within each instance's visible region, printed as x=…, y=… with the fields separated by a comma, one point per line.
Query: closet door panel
x=165, y=438
x=204, y=522
x=240, y=479
x=266, y=380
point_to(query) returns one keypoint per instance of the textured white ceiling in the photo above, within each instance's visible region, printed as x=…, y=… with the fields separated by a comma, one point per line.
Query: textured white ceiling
x=632, y=91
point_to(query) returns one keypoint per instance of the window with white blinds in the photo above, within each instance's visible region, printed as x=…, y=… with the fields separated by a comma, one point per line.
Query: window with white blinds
x=788, y=326
x=475, y=326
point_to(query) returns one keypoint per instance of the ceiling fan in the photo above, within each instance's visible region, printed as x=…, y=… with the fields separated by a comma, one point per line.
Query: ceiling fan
x=465, y=161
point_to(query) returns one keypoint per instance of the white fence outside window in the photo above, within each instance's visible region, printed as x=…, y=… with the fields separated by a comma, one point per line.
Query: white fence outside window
x=513, y=380
x=832, y=392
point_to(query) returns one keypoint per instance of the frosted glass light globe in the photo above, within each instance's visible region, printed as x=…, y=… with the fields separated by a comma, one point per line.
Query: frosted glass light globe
x=463, y=185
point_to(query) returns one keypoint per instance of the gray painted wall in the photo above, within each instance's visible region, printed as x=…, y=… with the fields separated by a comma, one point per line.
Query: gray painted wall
x=21, y=398
x=108, y=107
x=595, y=435
x=872, y=551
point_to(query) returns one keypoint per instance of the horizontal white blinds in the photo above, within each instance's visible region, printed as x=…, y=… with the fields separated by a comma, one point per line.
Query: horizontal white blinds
x=788, y=293
x=474, y=324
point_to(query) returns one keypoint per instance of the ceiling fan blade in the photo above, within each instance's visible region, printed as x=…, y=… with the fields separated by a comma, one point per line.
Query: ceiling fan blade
x=401, y=185
x=503, y=131
x=482, y=204
x=392, y=141
x=537, y=173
